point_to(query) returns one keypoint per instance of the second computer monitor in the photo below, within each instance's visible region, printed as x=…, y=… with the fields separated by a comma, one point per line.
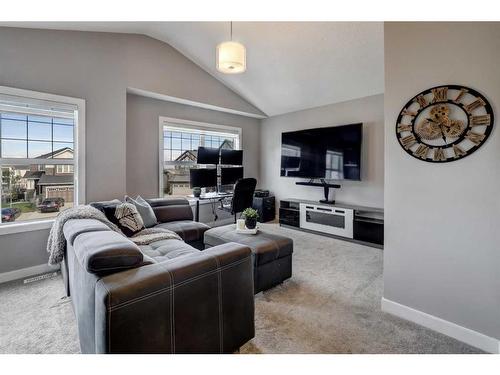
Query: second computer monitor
x=207, y=155
x=203, y=177
x=231, y=157
x=229, y=176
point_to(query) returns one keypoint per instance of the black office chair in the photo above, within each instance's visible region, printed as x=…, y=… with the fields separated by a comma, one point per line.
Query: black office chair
x=242, y=195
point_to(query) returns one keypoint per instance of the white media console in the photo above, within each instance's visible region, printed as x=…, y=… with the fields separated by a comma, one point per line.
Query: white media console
x=340, y=220
x=327, y=219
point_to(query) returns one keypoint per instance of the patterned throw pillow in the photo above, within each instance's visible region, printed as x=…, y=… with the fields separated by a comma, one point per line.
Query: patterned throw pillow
x=126, y=217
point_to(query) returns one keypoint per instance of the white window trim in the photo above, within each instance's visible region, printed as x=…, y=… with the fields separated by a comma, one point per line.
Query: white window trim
x=79, y=160
x=186, y=123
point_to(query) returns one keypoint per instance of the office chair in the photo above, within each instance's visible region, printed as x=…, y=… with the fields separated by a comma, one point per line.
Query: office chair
x=242, y=195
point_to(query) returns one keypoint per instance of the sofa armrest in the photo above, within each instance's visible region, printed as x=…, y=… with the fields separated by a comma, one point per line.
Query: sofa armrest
x=202, y=303
x=74, y=227
x=104, y=252
x=171, y=209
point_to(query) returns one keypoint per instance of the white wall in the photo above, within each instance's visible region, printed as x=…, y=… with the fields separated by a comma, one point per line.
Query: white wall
x=99, y=67
x=442, y=236
x=142, y=139
x=370, y=111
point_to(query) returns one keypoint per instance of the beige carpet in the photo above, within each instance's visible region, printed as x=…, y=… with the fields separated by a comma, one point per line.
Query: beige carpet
x=331, y=305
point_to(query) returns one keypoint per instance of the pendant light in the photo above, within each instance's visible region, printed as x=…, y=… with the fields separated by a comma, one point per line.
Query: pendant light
x=231, y=56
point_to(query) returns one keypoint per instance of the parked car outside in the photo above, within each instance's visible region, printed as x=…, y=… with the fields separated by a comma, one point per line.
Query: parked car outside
x=10, y=214
x=59, y=200
x=49, y=205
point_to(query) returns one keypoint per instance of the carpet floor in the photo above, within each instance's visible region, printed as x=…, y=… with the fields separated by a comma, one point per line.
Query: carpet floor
x=330, y=305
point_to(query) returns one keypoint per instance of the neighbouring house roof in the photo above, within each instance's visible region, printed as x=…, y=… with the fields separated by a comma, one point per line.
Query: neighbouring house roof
x=56, y=180
x=33, y=175
x=226, y=145
x=192, y=155
x=189, y=155
x=53, y=154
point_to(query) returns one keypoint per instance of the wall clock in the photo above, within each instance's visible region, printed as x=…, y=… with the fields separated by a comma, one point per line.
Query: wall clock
x=444, y=123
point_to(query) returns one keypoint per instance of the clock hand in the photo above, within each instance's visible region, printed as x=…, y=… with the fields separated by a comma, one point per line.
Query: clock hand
x=441, y=129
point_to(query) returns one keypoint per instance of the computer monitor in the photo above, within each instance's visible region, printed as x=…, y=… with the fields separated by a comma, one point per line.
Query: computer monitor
x=208, y=155
x=231, y=157
x=203, y=177
x=229, y=176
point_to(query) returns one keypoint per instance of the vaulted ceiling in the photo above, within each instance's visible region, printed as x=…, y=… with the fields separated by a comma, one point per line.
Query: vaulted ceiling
x=290, y=65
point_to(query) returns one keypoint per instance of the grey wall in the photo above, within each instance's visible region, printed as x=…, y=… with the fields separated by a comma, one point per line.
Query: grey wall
x=142, y=139
x=98, y=67
x=369, y=111
x=441, y=229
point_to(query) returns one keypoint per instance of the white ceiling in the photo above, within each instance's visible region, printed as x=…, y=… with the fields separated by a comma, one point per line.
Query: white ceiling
x=290, y=65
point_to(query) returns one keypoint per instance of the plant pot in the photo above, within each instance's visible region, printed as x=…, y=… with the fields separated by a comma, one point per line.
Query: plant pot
x=250, y=223
x=196, y=192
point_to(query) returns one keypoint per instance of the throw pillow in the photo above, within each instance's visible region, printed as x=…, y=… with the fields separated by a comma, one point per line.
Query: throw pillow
x=100, y=205
x=126, y=217
x=145, y=210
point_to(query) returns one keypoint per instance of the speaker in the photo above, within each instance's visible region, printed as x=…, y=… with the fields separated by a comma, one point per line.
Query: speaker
x=266, y=208
x=261, y=193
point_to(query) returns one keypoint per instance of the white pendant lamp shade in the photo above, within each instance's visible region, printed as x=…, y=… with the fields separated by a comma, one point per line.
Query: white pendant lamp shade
x=231, y=58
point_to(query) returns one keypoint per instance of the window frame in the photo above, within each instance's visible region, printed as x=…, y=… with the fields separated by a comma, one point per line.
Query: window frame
x=188, y=124
x=78, y=159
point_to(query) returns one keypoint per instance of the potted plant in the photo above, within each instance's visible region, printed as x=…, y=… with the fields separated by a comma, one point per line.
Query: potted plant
x=251, y=217
x=196, y=192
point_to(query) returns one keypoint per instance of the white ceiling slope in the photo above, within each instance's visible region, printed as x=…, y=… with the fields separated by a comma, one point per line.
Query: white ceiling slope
x=290, y=65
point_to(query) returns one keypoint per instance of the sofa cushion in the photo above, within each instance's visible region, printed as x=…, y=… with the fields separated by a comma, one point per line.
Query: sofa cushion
x=101, y=204
x=145, y=210
x=165, y=250
x=126, y=217
x=188, y=230
x=106, y=252
x=74, y=227
x=171, y=209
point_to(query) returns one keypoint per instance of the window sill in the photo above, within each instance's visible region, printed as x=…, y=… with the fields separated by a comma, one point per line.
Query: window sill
x=25, y=227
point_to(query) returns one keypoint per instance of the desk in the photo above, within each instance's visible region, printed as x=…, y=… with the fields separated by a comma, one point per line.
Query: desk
x=208, y=196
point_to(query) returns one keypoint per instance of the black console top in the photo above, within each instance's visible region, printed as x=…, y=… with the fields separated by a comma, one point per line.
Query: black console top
x=340, y=205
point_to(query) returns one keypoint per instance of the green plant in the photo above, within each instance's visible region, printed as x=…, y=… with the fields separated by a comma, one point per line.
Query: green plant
x=250, y=213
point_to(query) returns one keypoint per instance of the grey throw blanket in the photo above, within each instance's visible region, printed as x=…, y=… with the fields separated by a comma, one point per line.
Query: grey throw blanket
x=56, y=244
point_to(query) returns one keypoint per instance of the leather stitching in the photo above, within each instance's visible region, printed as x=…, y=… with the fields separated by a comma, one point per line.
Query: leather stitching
x=109, y=316
x=219, y=295
x=187, y=281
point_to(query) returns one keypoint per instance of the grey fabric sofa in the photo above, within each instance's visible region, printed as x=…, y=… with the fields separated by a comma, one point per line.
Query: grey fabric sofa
x=166, y=297
x=171, y=213
x=176, y=214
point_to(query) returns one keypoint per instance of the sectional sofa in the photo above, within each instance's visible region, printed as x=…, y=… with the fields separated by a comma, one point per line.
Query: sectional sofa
x=166, y=297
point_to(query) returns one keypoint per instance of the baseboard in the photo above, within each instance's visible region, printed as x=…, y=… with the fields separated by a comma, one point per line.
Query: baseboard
x=466, y=335
x=26, y=272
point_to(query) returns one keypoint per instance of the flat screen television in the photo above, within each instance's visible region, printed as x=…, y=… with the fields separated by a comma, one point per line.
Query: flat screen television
x=207, y=155
x=332, y=153
x=231, y=157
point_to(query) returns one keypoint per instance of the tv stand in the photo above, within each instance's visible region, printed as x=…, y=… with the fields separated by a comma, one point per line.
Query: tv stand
x=326, y=188
x=344, y=221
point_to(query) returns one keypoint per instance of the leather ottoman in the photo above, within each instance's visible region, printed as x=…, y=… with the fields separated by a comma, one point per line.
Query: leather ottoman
x=272, y=253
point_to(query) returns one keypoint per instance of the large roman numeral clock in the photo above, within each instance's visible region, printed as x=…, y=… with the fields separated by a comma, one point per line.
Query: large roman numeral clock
x=444, y=123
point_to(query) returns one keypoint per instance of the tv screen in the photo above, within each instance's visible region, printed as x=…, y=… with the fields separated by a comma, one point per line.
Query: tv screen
x=229, y=176
x=207, y=155
x=331, y=153
x=231, y=157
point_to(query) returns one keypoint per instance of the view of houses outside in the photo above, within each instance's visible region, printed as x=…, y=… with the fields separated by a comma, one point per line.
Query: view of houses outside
x=38, y=188
x=180, y=152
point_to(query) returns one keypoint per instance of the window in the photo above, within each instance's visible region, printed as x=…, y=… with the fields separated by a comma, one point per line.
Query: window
x=38, y=155
x=334, y=165
x=179, y=142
